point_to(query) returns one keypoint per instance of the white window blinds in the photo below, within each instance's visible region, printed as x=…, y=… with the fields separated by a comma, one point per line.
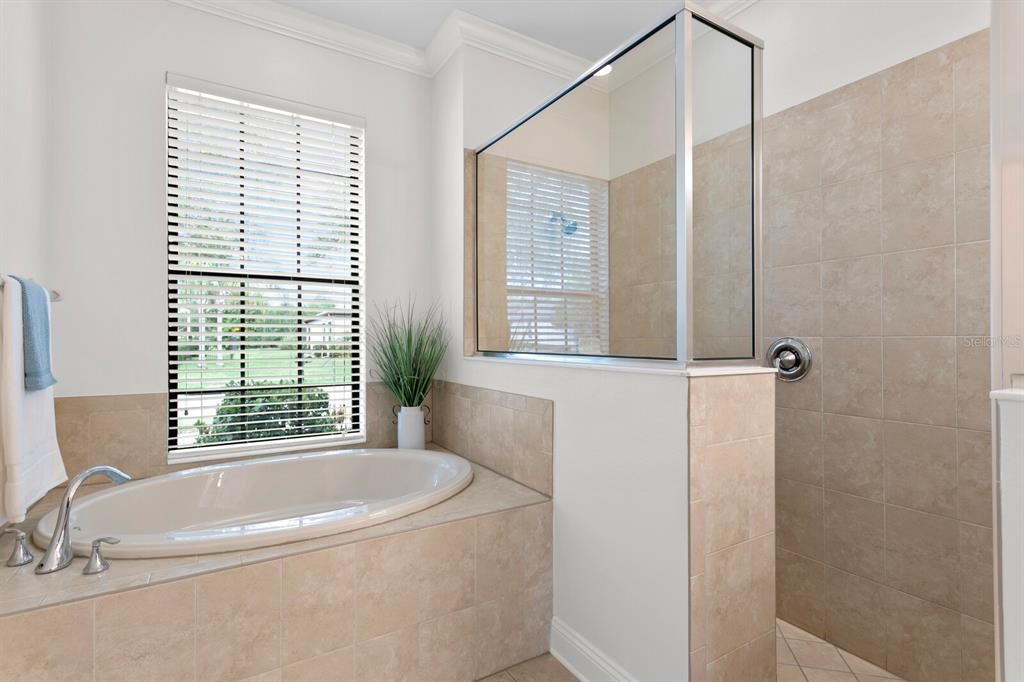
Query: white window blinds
x=557, y=261
x=265, y=258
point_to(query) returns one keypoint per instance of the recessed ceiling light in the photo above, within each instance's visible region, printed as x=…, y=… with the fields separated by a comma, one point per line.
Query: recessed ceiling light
x=603, y=71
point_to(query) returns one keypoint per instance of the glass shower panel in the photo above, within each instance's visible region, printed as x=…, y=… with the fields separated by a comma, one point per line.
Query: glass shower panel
x=576, y=217
x=722, y=266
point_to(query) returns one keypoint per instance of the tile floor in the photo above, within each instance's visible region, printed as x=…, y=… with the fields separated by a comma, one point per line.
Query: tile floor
x=802, y=657
x=541, y=669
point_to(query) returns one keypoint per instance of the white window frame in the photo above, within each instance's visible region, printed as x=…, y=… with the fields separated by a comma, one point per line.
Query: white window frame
x=285, y=444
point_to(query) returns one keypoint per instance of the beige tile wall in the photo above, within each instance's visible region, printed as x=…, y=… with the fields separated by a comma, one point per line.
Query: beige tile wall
x=732, y=528
x=130, y=431
x=722, y=247
x=457, y=601
x=469, y=336
x=511, y=434
x=877, y=255
x=642, y=261
x=491, y=208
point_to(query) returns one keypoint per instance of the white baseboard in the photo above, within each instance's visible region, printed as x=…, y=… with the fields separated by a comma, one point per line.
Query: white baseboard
x=583, y=659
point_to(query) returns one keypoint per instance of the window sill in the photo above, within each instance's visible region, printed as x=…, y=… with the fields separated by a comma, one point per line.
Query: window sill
x=215, y=453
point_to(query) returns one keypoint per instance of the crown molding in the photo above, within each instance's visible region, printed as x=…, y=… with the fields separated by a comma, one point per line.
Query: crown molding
x=458, y=29
x=727, y=9
x=464, y=29
x=299, y=25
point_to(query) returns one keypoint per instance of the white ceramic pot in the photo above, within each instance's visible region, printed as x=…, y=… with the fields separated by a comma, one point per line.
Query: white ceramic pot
x=412, y=430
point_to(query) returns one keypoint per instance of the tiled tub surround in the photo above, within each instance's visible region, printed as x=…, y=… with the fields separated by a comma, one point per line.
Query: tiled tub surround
x=877, y=255
x=732, y=528
x=130, y=431
x=509, y=433
x=21, y=589
x=455, y=592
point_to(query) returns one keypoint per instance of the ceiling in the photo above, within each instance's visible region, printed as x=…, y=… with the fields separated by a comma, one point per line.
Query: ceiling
x=586, y=28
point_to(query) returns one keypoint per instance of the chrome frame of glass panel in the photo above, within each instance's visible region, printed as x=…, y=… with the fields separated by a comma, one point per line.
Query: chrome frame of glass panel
x=758, y=188
x=684, y=169
x=597, y=66
x=684, y=187
x=727, y=27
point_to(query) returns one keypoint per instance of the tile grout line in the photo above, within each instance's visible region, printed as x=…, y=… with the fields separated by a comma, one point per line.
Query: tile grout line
x=476, y=592
x=280, y=614
x=881, y=253
x=889, y=587
x=821, y=328
x=956, y=370
x=195, y=629
x=881, y=400
x=94, y=641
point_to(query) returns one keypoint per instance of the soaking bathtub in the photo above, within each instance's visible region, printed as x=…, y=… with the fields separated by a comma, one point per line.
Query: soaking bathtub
x=260, y=502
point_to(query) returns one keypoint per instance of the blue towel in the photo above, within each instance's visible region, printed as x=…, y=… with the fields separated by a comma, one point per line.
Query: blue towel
x=35, y=322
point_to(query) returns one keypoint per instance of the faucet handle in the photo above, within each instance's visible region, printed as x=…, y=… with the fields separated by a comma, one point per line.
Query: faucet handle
x=96, y=563
x=20, y=555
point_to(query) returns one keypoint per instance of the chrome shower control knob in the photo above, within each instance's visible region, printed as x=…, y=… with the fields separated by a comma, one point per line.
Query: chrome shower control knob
x=96, y=563
x=20, y=554
x=790, y=357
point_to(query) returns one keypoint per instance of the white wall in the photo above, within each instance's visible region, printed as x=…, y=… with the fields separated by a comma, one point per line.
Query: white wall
x=642, y=103
x=104, y=185
x=722, y=81
x=813, y=47
x=571, y=135
x=620, y=438
x=23, y=115
x=643, y=117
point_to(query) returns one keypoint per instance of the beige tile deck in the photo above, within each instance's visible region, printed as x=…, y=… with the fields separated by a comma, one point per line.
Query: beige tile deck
x=802, y=657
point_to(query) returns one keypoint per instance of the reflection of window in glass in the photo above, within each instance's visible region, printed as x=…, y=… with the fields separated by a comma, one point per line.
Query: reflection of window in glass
x=265, y=267
x=557, y=261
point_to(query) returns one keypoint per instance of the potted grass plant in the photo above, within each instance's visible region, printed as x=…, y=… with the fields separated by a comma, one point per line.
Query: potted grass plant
x=407, y=350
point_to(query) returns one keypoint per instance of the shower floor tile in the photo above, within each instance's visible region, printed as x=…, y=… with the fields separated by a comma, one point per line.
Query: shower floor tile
x=802, y=657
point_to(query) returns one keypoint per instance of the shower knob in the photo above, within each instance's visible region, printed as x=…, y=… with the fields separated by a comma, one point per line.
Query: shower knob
x=790, y=357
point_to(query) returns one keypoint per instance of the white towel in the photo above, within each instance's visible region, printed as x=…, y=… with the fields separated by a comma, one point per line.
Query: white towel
x=30, y=461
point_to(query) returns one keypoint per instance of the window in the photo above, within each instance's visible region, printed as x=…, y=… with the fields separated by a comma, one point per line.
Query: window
x=557, y=261
x=265, y=258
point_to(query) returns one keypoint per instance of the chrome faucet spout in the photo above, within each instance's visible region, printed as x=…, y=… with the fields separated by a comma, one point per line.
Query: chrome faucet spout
x=59, y=554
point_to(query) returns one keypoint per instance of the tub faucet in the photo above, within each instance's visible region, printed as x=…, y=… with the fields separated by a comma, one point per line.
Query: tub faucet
x=58, y=554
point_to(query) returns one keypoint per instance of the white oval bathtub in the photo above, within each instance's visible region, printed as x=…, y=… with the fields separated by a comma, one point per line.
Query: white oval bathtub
x=260, y=502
